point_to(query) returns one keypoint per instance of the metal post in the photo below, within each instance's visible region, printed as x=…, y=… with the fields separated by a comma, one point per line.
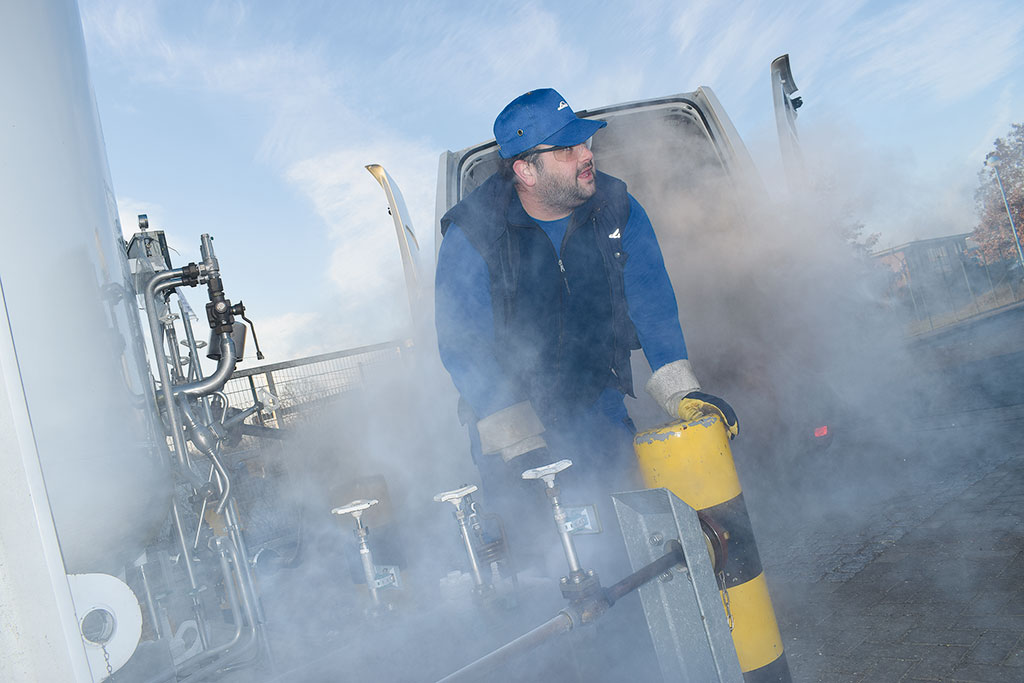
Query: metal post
x=993, y=161
x=970, y=290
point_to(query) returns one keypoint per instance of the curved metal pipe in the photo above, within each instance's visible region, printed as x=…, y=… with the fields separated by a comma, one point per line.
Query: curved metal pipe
x=224, y=403
x=223, y=550
x=220, y=376
x=168, y=279
x=251, y=639
x=204, y=439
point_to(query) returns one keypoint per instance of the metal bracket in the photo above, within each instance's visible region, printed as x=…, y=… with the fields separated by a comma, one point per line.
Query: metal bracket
x=387, y=575
x=685, y=615
x=582, y=519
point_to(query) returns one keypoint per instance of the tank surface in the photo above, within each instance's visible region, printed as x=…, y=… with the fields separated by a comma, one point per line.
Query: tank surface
x=69, y=298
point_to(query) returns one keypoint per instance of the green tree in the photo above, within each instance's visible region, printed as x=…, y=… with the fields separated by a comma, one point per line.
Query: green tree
x=993, y=233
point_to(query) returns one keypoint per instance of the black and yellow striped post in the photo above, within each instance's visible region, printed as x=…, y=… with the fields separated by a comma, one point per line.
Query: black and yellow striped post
x=693, y=460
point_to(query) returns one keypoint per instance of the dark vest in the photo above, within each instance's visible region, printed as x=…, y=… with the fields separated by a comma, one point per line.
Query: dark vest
x=562, y=337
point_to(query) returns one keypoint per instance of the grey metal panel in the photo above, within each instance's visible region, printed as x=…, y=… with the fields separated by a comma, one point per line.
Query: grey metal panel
x=684, y=613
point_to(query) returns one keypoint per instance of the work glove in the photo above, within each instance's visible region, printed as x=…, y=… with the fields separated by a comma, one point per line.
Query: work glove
x=697, y=404
x=511, y=432
x=677, y=391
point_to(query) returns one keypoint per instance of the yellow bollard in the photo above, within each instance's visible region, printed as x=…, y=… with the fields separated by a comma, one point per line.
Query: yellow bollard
x=693, y=461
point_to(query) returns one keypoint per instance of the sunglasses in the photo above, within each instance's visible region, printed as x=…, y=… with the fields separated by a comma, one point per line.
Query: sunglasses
x=565, y=153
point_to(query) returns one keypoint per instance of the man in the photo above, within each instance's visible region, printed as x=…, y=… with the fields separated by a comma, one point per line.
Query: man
x=548, y=275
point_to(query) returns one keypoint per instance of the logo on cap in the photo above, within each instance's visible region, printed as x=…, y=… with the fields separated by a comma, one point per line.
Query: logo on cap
x=562, y=105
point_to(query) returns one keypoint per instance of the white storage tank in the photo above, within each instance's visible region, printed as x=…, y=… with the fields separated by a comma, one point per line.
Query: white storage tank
x=69, y=300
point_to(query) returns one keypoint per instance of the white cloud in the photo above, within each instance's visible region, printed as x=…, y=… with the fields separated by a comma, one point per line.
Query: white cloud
x=998, y=125
x=948, y=50
x=354, y=208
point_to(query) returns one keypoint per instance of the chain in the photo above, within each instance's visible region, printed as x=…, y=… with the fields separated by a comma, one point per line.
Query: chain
x=106, y=658
x=725, y=598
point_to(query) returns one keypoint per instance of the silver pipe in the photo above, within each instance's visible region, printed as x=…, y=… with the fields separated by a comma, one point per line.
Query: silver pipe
x=252, y=636
x=150, y=604
x=235, y=529
x=474, y=564
x=194, y=369
x=206, y=250
x=236, y=614
x=558, y=624
x=247, y=603
x=224, y=402
x=568, y=545
x=368, y=571
x=180, y=528
x=204, y=439
x=220, y=376
x=251, y=633
x=166, y=280
x=366, y=558
x=240, y=416
x=172, y=348
x=202, y=513
x=190, y=570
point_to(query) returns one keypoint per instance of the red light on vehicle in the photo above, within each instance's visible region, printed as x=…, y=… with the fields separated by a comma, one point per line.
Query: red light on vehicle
x=821, y=431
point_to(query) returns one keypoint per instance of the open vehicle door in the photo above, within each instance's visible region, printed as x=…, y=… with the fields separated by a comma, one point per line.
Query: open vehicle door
x=408, y=245
x=787, y=100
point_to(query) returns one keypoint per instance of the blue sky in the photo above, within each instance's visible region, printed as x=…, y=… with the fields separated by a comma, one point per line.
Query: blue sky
x=253, y=121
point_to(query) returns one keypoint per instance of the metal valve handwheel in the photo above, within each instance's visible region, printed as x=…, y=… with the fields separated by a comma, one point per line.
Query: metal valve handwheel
x=455, y=497
x=355, y=508
x=547, y=472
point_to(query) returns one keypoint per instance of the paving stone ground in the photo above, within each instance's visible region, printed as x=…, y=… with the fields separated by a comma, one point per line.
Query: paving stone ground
x=917, y=577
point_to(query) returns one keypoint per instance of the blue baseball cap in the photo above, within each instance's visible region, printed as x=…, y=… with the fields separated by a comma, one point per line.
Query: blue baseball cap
x=540, y=117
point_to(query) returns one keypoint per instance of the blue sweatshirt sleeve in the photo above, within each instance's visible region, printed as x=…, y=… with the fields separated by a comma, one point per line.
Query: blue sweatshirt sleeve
x=465, y=326
x=649, y=293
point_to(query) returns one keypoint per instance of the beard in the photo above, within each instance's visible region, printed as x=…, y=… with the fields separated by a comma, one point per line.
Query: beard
x=565, y=194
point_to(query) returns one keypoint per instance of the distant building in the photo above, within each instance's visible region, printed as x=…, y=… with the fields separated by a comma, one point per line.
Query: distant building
x=944, y=279
x=924, y=261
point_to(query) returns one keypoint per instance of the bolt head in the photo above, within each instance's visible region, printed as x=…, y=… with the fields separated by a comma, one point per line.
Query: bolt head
x=656, y=539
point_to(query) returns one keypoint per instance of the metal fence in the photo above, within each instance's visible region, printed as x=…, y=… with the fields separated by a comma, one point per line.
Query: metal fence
x=305, y=383
x=957, y=292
